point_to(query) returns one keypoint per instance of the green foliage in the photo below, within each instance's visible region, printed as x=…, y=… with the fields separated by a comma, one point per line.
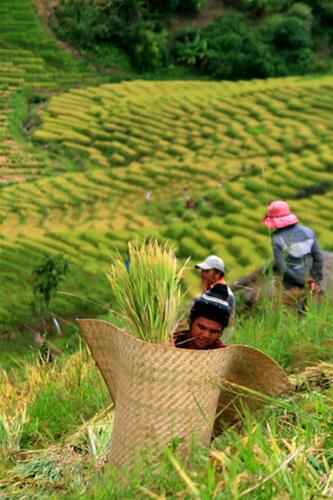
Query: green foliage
x=287, y=33
x=47, y=277
x=235, y=49
x=322, y=8
x=237, y=462
x=232, y=48
x=302, y=11
x=291, y=45
x=90, y=24
x=191, y=48
x=297, y=428
x=19, y=114
x=148, y=48
x=263, y=7
x=189, y=7
x=85, y=22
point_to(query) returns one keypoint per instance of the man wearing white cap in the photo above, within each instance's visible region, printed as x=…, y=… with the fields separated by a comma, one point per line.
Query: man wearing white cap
x=212, y=275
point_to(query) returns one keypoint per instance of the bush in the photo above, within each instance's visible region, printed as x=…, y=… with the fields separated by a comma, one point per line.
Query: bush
x=191, y=48
x=85, y=22
x=234, y=50
x=263, y=7
x=90, y=24
x=184, y=6
x=302, y=11
x=290, y=41
x=148, y=49
x=322, y=8
x=191, y=6
x=287, y=33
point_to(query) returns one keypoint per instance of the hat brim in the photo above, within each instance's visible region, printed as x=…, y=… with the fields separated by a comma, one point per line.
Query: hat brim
x=280, y=222
x=203, y=267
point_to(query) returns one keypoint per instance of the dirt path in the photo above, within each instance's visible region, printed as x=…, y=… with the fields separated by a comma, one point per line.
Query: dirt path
x=45, y=7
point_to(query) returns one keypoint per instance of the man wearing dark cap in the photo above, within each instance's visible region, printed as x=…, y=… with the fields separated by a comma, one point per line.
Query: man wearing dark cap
x=209, y=316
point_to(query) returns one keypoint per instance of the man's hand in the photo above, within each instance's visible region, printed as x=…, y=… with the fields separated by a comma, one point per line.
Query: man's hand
x=314, y=287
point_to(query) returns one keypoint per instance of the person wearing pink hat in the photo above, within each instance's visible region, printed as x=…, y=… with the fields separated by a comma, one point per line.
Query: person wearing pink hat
x=297, y=256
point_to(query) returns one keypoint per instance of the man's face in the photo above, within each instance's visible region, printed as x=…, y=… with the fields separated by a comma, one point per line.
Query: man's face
x=205, y=332
x=209, y=277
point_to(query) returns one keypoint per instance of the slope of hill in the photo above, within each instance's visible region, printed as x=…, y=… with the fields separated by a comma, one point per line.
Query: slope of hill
x=80, y=188
x=211, y=155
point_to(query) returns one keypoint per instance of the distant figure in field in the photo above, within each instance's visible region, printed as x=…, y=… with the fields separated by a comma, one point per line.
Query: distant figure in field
x=148, y=196
x=212, y=274
x=189, y=202
x=297, y=256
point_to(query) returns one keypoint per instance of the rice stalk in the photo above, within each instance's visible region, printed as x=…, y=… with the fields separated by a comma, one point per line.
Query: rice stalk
x=191, y=486
x=148, y=296
x=11, y=429
x=281, y=467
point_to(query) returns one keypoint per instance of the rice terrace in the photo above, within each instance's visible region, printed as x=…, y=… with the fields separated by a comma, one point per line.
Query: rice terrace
x=137, y=138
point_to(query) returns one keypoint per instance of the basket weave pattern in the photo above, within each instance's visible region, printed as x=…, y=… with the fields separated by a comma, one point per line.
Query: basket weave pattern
x=160, y=392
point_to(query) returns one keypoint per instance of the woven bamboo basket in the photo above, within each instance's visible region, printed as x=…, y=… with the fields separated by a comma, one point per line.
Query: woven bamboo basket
x=249, y=380
x=162, y=393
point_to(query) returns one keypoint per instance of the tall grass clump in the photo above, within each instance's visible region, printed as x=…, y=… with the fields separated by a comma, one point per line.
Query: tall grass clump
x=147, y=293
x=293, y=340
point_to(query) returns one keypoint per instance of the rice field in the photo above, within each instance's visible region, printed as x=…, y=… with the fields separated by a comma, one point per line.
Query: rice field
x=230, y=147
x=86, y=166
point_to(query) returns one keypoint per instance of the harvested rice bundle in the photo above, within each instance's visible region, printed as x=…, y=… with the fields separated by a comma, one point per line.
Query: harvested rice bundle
x=318, y=377
x=147, y=293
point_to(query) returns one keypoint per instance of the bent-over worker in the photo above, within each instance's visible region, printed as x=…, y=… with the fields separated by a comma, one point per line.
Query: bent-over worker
x=297, y=256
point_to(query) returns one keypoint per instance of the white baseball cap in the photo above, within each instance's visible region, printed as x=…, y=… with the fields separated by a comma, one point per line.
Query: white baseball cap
x=212, y=262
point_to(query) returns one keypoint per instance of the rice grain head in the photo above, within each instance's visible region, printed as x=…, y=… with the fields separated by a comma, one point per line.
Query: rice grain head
x=148, y=295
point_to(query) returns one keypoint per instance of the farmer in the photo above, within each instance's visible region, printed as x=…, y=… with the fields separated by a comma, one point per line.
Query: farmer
x=209, y=316
x=297, y=256
x=212, y=273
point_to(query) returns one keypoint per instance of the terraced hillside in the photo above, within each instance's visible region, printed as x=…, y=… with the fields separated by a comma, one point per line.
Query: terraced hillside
x=30, y=61
x=32, y=67
x=211, y=155
x=231, y=147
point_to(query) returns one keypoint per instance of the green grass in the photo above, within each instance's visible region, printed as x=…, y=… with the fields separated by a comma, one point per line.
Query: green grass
x=284, y=453
x=17, y=350
x=293, y=341
x=285, y=449
x=63, y=403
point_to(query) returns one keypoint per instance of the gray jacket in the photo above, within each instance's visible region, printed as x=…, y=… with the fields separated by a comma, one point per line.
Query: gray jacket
x=297, y=256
